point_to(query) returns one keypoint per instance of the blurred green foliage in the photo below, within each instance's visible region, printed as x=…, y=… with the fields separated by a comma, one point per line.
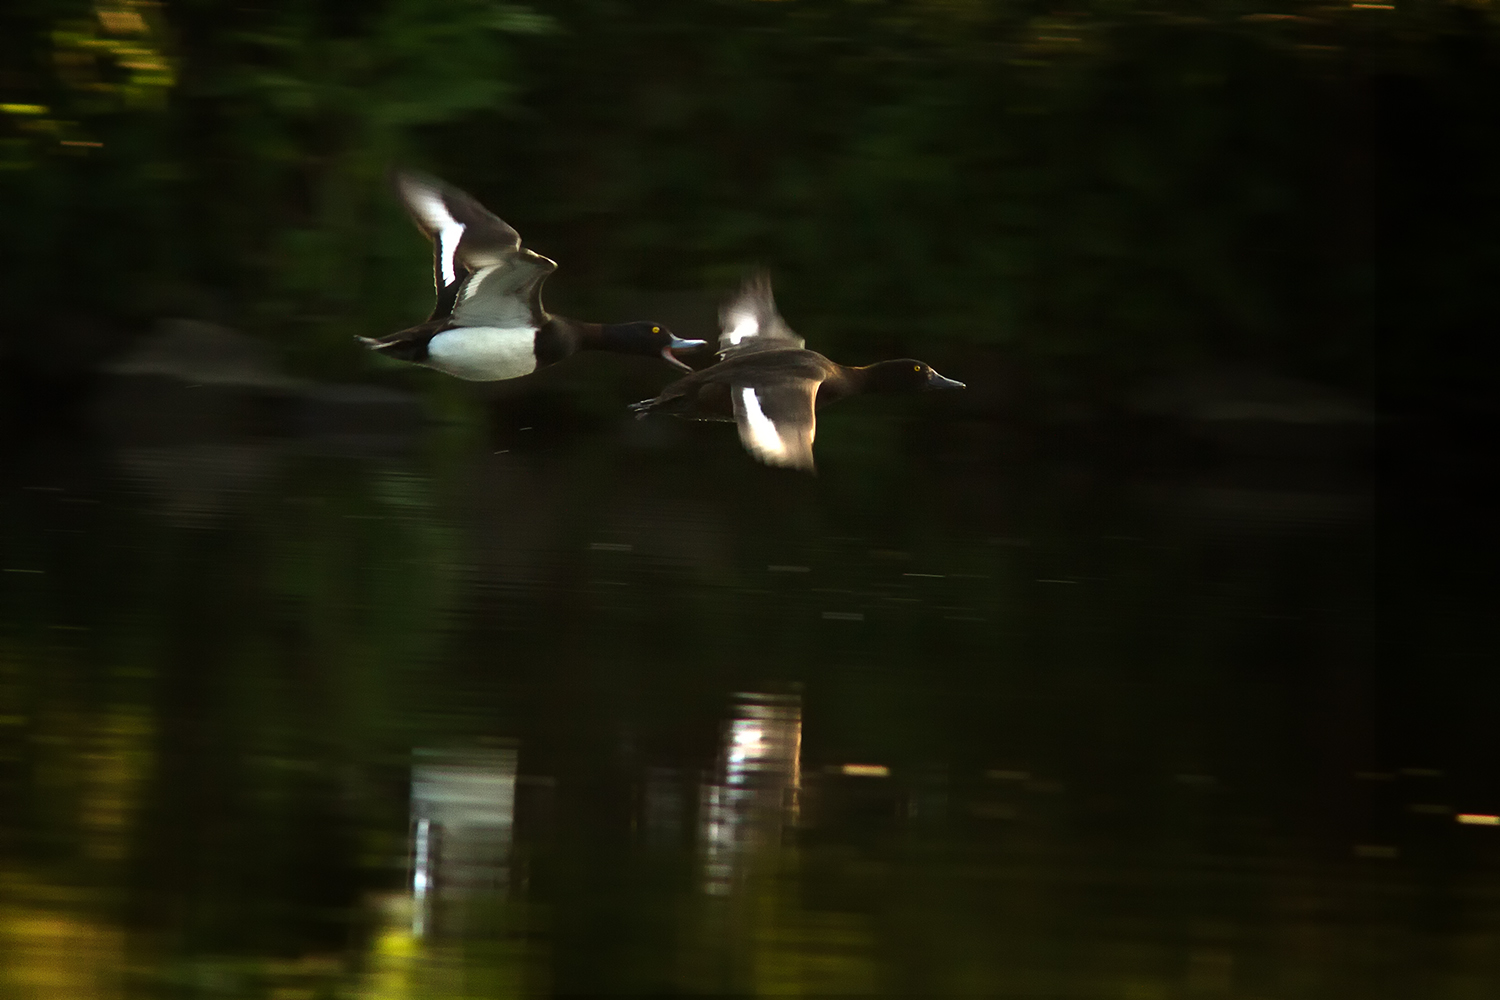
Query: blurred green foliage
x=1107, y=189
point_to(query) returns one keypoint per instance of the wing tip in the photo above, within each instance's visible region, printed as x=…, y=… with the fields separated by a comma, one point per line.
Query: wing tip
x=756, y=288
x=405, y=181
x=425, y=199
x=795, y=463
x=754, y=300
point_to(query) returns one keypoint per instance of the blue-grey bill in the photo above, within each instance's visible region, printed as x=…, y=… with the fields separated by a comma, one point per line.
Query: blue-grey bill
x=679, y=344
x=936, y=381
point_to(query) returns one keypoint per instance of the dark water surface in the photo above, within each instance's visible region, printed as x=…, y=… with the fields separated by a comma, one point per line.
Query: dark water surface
x=627, y=712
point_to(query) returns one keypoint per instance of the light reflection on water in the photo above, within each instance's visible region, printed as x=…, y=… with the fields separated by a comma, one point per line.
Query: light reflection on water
x=756, y=788
x=462, y=813
x=583, y=718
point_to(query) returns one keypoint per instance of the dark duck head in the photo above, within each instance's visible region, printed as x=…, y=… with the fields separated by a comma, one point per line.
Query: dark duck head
x=648, y=339
x=902, y=375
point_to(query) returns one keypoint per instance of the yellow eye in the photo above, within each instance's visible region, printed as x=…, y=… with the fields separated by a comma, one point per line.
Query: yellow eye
x=656, y=329
x=916, y=368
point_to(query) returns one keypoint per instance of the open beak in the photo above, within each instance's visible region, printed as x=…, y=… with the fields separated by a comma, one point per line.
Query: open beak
x=936, y=381
x=678, y=344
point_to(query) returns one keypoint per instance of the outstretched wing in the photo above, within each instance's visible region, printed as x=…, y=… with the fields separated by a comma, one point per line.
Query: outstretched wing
x=507, y=294
x=751, y=323
x=466, y=237
x=777, y=423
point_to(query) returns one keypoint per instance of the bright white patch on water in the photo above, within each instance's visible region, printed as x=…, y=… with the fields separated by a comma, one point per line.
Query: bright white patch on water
x=484, y=353
x=763, y=435
x=446, y=230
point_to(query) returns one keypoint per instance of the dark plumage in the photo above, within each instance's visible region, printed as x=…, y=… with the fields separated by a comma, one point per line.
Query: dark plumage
x=771, y=386
x=489, y=322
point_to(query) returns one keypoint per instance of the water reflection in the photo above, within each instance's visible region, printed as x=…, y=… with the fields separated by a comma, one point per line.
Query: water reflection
x=462, y=815
x=198, y=482
x=1141, y=752
x=755, y=792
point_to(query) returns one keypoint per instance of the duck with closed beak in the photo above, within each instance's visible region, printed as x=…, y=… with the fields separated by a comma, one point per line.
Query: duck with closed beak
x=770, y=385
x=489, y=323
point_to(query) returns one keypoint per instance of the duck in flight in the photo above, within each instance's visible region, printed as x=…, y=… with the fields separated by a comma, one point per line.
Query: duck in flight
x=489, y=322
x=769, y=384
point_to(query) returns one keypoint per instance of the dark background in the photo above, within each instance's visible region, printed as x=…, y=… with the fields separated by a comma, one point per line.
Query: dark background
x=1204, y=551
x=1079, y=196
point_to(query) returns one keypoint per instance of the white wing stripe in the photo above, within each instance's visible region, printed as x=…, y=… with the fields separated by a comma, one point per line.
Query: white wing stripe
x=445, y=228
x=448, y=241
x=763, y=434
x=472, y=285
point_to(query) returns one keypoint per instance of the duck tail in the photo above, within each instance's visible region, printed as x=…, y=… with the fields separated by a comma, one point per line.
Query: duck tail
x=380, y=345
x=398, y=346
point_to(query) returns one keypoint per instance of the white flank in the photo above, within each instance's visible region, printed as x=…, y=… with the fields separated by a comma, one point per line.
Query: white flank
x=745, y=326
x=446, y=230
x=763, y=435
x=484, y=353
